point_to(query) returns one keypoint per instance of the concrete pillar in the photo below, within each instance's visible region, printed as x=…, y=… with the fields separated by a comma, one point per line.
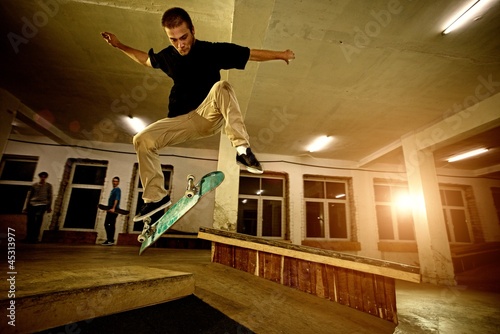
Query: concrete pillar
x=254, y=16
x=226, y=195
x=432, y=240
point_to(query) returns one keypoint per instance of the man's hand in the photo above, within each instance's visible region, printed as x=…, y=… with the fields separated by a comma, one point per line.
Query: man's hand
x=288, y=56
x=138, y=56
x=110, y=38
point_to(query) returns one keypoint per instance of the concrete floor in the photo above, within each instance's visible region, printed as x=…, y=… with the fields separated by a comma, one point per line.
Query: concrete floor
x=266, y=307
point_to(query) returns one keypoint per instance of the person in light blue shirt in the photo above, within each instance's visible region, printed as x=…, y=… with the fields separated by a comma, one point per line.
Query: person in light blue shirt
x=111, y=215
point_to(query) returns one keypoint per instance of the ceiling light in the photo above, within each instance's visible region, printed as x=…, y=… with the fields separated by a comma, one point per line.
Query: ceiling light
x=467, y=15
x=319, y=143
x=136, y=123
x=467, y=154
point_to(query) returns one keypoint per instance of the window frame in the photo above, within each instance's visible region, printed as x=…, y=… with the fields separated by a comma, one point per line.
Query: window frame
x=21, y=201
x=393, y=209
x=69, y=190
x=448, y=219
x=326, y=202
x=261, y=198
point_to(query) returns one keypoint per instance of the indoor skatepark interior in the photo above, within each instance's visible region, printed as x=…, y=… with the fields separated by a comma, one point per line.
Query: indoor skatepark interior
x=218, y=299
x=395, y=99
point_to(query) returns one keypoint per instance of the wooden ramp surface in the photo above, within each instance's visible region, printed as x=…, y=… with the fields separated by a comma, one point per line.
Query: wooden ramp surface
x=365, y=284
x=56, y=298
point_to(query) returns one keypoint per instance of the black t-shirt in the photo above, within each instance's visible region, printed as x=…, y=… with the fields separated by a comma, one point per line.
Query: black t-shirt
x=195, y=73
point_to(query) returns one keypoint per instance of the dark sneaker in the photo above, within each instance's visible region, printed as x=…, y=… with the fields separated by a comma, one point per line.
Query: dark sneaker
x=108, y=243
x=250, y=162
x=150, y=209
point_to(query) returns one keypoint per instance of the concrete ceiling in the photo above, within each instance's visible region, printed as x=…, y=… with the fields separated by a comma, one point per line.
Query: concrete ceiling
x=367, y=73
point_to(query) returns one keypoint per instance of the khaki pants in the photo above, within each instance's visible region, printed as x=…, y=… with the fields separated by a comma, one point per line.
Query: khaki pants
x=219, y=109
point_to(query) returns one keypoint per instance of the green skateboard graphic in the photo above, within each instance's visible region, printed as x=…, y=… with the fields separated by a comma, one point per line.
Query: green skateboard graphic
x=153, y=232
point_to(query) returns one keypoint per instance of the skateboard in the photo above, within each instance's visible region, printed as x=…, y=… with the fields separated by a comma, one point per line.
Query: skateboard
x=119, y=211
x=194, y=192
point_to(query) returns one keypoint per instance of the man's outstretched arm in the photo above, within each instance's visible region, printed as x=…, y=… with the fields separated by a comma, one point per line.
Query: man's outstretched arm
x=138, y=56
x=265, y=55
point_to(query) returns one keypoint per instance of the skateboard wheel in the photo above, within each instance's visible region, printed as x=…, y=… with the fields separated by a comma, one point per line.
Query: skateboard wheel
x=190, y=177
x=141, y=238
x=189, y=193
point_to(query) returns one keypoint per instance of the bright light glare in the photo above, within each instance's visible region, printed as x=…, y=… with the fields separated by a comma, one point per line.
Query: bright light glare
x=467, y=15
x=404, y=201
x=319, y=144
x=136, y=124
x=340, y=196
x=467, y=154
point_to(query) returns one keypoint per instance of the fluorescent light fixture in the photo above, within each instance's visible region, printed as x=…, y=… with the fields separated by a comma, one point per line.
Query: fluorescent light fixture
x=340, y=196
x=468, y=154
x=136, y=123
x=319, y=143
x=469, y=14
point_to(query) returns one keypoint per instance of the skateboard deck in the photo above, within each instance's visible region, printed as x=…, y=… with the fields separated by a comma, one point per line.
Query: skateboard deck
x=119, y=211
x=194, y=193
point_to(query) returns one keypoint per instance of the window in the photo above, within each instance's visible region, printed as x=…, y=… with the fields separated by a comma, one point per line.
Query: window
x=327, y=208
x=261, y=208
x=86, y=182
x=456, y=215
x=137, y=193
x=16, y=176
x=394, y=212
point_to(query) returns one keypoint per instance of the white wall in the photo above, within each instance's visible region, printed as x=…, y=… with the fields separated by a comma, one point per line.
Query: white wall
x=121, y=159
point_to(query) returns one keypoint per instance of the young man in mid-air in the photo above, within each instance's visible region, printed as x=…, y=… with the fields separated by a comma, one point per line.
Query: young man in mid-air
x=200, y=104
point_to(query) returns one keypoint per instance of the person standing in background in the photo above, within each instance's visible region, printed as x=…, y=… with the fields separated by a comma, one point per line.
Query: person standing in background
x=38, y=201
x=111, y=215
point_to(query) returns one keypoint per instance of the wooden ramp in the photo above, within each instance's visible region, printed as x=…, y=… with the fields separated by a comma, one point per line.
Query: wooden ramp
x=365, y=284
x=57, y=298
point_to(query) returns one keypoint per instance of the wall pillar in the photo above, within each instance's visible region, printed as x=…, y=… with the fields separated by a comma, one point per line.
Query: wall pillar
x=430, y=229
x=226, y=195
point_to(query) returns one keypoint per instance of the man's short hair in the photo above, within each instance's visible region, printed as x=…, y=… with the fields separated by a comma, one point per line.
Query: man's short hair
x=116, y=178
x=43, y=174
x=175, y=17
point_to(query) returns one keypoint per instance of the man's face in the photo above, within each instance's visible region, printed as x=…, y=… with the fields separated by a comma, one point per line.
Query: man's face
x=115, y=183
x=181, y=38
